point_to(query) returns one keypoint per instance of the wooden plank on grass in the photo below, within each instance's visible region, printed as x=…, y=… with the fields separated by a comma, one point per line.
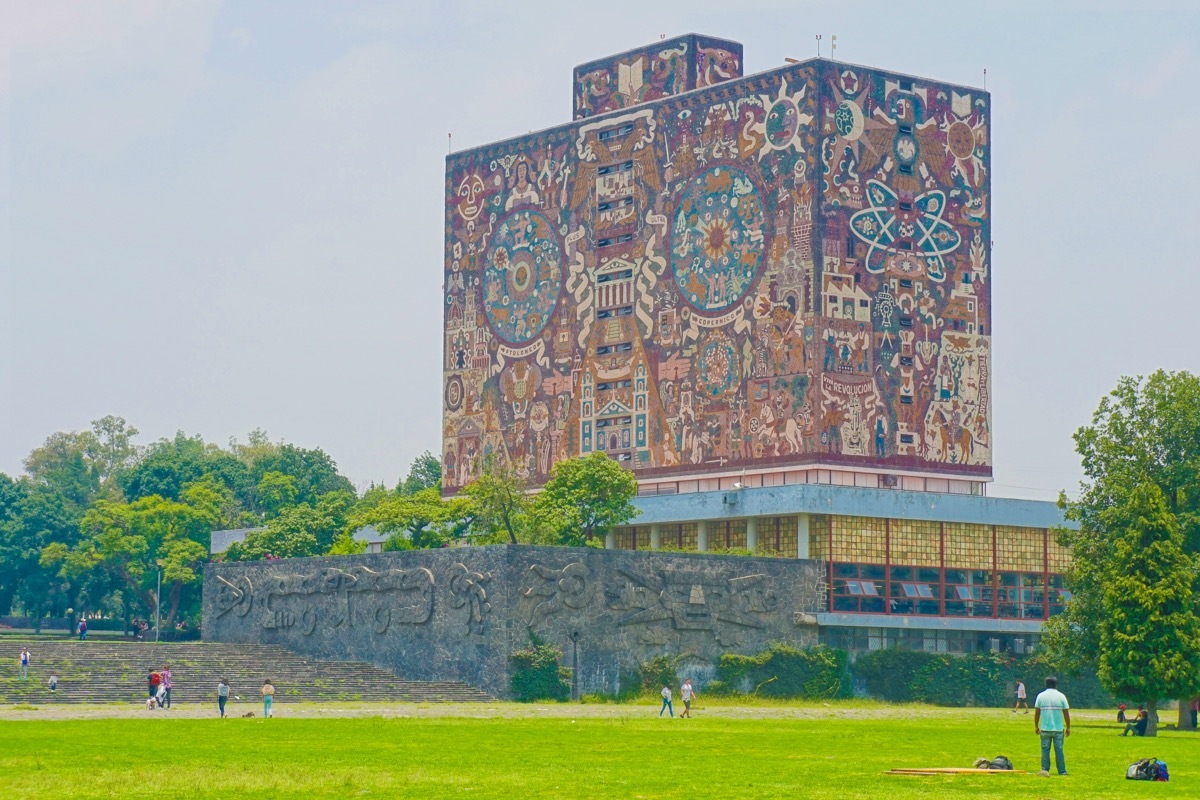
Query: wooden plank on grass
x=954, y=771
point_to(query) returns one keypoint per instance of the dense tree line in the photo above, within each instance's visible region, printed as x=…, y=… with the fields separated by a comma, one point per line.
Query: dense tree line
x=96, y=519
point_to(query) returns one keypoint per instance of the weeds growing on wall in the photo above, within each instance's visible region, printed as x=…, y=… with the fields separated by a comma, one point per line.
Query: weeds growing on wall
x=536, y=673
x=783, y=670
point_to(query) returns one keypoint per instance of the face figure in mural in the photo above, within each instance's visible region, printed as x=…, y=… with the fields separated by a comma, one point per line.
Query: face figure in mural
x=523, y=191
x=470, y=197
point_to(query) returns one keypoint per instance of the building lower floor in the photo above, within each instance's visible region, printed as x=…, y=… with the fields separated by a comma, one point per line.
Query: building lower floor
x=935, y=572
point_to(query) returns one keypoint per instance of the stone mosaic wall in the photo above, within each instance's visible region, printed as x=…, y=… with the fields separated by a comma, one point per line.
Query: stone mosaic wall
x=458, y=613
x=669, y=67
x=785, y=269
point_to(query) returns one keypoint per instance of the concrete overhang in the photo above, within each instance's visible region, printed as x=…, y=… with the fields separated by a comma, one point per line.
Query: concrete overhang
x=808, y=498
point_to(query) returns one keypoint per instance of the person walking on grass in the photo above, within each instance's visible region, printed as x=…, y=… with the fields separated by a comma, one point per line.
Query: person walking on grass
x=268, y=692
x=666, y=706
x=222, y=696
x=1052, y=722
x=1021, y=697
x=687, y=693
x=23, y=662
x=166, y=685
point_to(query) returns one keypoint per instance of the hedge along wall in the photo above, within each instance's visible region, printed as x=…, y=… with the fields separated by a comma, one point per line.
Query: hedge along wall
x=907, y=676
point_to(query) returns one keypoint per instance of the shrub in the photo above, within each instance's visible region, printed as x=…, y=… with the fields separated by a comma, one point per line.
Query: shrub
x=658, y=672
x=783, y=670
x=537, y=675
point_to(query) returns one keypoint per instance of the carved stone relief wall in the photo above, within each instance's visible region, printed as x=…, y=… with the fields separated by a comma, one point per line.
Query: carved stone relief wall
x=458, y=614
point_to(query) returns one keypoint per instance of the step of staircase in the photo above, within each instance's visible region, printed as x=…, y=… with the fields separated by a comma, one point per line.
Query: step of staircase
x=106, y=671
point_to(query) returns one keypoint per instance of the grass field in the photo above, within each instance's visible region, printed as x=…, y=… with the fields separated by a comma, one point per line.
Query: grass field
x=518, y=752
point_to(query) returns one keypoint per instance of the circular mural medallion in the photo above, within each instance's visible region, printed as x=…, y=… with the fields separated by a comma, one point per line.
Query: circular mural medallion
x=848, y=118
x=717, y=240
x=960, y=140
x=783, y=121
x=454, y=393
x=717, y=366
x=906, y=149
x=522, y=277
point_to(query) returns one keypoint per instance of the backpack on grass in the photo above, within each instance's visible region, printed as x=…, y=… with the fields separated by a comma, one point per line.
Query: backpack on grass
x=999, y=762
x=1148, y=769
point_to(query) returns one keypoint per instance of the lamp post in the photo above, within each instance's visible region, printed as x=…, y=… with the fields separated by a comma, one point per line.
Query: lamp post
x=158, y=602
x=575, y=665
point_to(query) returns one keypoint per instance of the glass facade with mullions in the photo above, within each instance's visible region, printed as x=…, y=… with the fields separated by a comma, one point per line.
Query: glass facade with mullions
x=860, y=640
x=930, y=591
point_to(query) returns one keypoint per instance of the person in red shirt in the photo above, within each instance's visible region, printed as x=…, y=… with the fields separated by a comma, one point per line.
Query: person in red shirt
x=153, y=679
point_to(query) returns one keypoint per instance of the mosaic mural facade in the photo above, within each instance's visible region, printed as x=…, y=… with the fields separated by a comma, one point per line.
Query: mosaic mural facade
x=670, y=67
x=788, y=268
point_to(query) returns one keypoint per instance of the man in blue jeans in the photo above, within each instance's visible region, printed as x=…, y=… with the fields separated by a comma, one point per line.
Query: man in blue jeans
x=1052, y=721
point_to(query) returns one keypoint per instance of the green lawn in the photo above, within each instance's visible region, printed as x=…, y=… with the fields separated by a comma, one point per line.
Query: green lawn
x=518, y=752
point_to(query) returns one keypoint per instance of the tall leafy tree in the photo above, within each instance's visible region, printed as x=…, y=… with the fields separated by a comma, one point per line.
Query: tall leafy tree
x=1150, y=631
x=425, y=473
x=420, y=520
x=500, y=503
x=1147, y=431
x=585, y=497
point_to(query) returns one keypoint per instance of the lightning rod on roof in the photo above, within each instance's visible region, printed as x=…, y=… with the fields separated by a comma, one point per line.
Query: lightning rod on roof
x=449, y=142
x=985, y=79
x=833, y=47
x=818, y=45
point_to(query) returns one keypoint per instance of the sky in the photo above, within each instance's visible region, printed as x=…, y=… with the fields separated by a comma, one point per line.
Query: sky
x=217, y=217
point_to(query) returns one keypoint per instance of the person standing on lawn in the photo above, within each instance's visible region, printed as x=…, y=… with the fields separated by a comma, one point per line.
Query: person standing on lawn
x=666, y=706
x=1052, y=721
x=268, y=696
x=1021, y=697
x=687, y=693
x=166, y=685
x=222, y=696
x=23, y=661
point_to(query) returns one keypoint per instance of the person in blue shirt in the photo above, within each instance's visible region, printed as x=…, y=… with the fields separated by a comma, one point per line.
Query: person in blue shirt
x=1052, y=721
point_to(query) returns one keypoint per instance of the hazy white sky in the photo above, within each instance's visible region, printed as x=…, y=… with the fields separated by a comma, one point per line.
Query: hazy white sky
x=217, y=216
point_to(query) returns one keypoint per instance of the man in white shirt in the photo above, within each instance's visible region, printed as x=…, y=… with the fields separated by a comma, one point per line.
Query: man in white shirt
x=1052, y=721
x=666, y=706
x=687, y=693
x=1021, y=697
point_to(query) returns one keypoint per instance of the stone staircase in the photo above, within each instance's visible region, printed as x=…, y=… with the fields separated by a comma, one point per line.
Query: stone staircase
x=114, y=671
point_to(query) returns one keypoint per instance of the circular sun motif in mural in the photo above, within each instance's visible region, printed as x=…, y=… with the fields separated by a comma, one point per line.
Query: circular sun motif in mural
x=960, y=140
x=717, y=240
x=783, y=122
x=717, y=366
x=522, y=277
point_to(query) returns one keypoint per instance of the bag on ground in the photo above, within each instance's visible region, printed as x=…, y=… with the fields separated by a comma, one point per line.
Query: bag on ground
x=1148, y=769
x=999, y=762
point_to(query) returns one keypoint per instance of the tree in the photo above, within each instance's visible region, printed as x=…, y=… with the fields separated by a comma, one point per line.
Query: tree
x=1147, y=431
x=420, y=520
x=425, y=473
x=61, y=464
x=32, y=516
x=499, y=502
x=276, y=492
x=584, y=498
x=1150, y=631
x=123, y=546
